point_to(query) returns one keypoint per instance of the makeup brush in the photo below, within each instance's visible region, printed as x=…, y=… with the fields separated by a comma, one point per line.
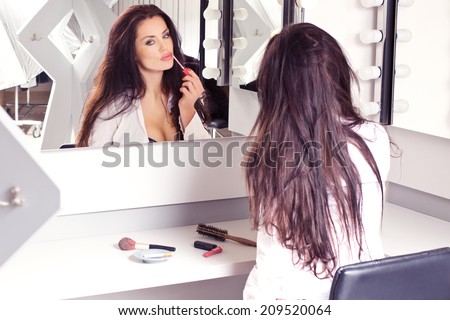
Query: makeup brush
x=221, y=234
x=130, y=244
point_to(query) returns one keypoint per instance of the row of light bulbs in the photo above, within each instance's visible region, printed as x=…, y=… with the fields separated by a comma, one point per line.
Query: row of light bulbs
x=239, y=43
x=374, y=72
x=366, y=37
x=374, y=36
x=372, y=107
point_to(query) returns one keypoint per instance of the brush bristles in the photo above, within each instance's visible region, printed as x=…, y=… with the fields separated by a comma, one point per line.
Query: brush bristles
x=211, y=231
x=127, y=244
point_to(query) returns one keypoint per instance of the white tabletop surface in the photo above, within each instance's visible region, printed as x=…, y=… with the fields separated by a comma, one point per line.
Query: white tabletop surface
x=406, y=231
x=95, y=265
x=88, y=266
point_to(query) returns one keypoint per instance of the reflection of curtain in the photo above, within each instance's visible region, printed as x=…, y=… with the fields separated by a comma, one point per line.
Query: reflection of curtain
x=268, y=11
x=110, y=3
x=16, y=65
x=10, y=68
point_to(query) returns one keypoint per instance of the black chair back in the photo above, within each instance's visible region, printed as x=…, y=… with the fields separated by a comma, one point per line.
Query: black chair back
x=418, y=276
x=67, y=146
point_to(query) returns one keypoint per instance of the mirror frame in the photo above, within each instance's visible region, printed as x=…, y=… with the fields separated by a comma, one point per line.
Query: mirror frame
x=388, y=64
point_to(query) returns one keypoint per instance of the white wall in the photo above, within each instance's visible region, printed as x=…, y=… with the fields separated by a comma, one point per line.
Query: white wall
x=422, y=132
x=423, y=164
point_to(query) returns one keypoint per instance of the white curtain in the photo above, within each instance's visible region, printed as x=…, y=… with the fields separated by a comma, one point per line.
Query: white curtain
x=16, y=65
x=110, y=3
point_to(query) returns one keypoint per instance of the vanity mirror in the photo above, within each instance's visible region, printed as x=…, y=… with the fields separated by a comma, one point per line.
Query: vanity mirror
x=93, y=180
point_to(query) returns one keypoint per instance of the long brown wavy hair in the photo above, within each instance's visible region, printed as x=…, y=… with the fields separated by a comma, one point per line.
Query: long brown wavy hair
x=118, y=76
x=294, y=169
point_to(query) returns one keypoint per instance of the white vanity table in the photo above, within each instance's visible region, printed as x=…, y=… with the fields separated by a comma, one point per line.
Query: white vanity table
x=90, y=266
x=93, y=267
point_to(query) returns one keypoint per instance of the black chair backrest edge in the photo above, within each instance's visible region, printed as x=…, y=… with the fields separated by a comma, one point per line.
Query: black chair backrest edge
x=418, y=276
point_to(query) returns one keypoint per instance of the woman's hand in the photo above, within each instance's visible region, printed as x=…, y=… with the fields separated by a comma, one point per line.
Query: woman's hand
x=191, y=89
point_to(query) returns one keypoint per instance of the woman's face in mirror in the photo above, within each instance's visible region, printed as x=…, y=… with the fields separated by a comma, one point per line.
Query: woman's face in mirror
x=154, y=45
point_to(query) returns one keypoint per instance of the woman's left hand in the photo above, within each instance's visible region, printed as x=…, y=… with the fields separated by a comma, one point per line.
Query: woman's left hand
x=191, y=89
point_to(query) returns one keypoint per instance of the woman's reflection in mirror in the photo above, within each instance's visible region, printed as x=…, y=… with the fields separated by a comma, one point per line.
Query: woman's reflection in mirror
x=139, y=91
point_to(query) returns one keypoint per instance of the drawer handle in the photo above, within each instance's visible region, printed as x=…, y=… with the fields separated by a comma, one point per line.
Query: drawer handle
x=15, y=200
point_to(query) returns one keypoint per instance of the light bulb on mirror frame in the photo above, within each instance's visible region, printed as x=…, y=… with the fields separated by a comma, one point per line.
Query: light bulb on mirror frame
x=369, y=73
x=212, y=14
x=239, y=43
x=405, y=3
x=210, y=44
x=403, y=35
x=371, y=36
x=372, y=108
x=308, y=4
x=402, y=71
x=369, y=108
x=371, y=3
x=401, y=106
x=240, y=14
x=210, y=73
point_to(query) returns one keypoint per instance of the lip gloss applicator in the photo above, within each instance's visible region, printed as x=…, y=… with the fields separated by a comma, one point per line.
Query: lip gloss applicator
x=185, y=70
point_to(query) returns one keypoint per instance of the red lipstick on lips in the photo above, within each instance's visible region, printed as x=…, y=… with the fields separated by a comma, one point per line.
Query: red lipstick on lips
x=167, y=57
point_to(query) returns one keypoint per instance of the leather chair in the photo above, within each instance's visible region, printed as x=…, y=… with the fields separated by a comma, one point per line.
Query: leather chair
x=67, y=146
x=418, y=276
x=217, y=124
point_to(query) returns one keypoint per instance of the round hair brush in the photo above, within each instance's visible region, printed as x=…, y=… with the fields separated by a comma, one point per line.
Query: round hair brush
x=130, y=244
x=221, y=234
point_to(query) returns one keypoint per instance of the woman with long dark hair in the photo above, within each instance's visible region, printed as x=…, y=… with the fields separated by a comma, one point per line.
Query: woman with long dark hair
x=139, y=93
x=316, y=171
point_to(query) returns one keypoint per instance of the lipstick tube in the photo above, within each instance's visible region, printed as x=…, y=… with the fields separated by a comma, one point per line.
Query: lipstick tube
x=214, y=251
x=185, y=70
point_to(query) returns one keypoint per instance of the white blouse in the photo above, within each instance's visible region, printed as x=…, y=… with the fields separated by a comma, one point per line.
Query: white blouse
x=129, y=127
x=276, y=277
